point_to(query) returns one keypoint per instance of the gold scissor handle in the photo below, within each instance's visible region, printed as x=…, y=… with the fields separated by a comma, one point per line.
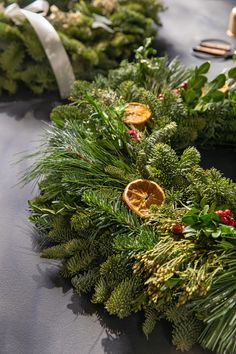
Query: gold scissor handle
x=212, y=51
x=216, y=45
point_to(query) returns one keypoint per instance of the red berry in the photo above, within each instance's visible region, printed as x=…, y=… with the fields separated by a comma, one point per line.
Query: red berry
x=224, y=220
x=228, y=212
x=134, y=134
x=184, y=85
x=220, y=213
x=231, y=222
x=177, y=229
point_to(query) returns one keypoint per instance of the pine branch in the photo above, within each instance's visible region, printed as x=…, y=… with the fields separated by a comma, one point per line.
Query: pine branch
x=186, y=327
x=185, y=334
x=86, y=281
x=190, y=158
x=101, y=291
x=64, y=250
x=12, y=58
x=218, y=309
x=161, y=136
x=77, y=263
x=163, y=164
x=120, y=301
x=151, y=318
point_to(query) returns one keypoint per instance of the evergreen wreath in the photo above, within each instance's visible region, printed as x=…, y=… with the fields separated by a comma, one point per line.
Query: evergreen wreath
x=136, y=222
x=93, y=45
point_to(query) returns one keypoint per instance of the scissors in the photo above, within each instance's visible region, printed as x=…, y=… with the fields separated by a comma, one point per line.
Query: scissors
x=214, y=48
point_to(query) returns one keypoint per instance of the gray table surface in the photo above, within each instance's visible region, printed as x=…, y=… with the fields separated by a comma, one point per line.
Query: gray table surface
x=186, y=23
x=39, y=314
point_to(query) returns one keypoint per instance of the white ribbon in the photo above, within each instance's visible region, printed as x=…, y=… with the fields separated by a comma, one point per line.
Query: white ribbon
x=103, y=22
x=49, y=39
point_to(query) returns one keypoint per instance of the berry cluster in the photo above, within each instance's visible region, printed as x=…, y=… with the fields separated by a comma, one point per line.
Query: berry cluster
x=176, y=91
x=135, y=135
x=160, y=97
x=182, y=87
x=226, y=217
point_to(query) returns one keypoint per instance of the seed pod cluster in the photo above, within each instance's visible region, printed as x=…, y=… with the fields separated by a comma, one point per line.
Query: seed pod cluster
x=175, y=270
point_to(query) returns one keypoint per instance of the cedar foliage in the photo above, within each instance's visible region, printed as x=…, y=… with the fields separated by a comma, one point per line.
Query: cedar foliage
x=123, y=261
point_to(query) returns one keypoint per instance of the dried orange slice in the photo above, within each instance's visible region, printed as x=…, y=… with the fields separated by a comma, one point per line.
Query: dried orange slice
x=137, y=113
x=224, y=88
x=203, y=91
x=140, y=194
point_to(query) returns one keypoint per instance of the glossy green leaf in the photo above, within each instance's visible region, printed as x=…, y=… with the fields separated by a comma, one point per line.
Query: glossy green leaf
x=190, y=219
x=206, y=218
x=204, y=68
x=189, y=95
x=217, y=83
x=232, y=73
x=226, y=229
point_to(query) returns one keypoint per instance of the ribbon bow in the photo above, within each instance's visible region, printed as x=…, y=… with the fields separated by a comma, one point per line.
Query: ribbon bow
x=49, y=39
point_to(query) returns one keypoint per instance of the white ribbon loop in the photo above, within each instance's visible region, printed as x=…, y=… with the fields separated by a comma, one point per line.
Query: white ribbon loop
x=38, y=6
x=49, y=39
x=14, y=12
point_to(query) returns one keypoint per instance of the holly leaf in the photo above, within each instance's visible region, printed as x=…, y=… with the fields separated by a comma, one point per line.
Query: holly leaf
x=199, y=84
x=217, y=83
x=193, y=211
x=227, y=230
x=206, y=218
x=232, y=73
x=190, y=219
x=204, y=68
x=215, y=96
x=189, y=95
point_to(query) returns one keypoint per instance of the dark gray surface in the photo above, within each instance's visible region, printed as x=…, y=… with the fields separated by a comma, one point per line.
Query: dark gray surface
x=38, y=312
x=186, y=22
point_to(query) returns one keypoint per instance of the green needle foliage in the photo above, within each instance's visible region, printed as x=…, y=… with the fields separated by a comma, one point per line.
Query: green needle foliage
x=178, y=262
x=96, y=34
x=205, y=111
x=218, y=311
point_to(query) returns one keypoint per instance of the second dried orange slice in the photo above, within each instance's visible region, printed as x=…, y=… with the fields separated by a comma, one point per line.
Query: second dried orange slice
x=137, y=113
x=224, y=88
x=140, y=194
